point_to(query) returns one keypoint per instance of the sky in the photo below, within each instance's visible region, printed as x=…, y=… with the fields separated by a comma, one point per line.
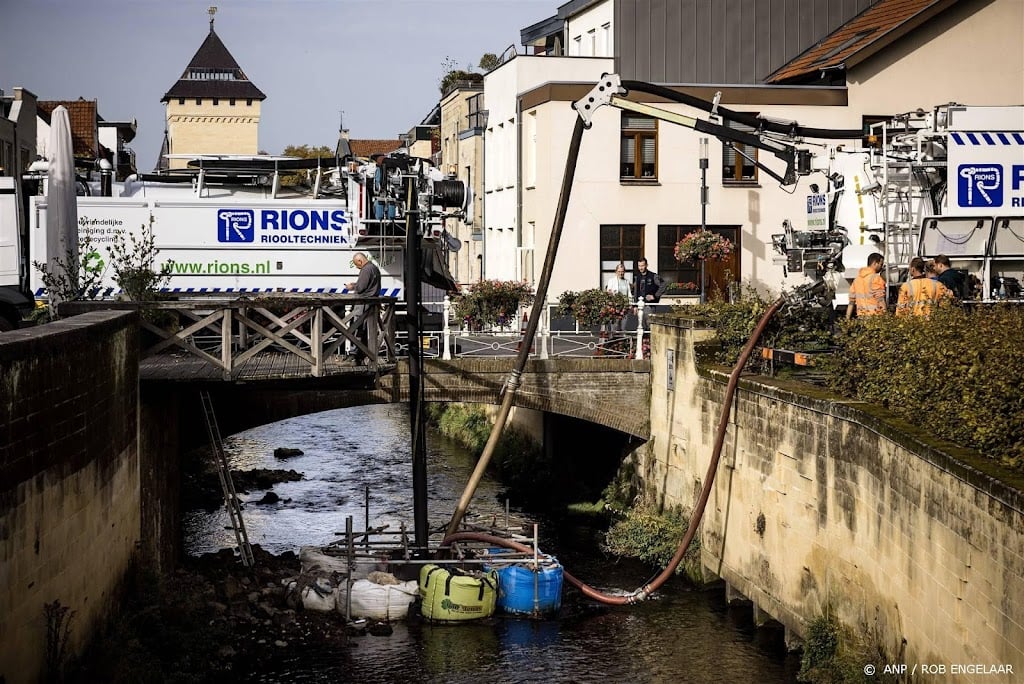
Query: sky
x=374, y=64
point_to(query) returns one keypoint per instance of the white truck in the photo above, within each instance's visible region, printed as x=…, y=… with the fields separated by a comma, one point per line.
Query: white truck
x=226, y=225
x=949, y=181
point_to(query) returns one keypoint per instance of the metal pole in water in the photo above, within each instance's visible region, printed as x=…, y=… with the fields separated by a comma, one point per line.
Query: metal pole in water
x=351, y=568
x=536, y=574
x=366, y=524
x=412, y=322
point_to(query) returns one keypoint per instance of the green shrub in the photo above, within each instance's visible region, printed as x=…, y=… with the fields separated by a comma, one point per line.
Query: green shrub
x=734, y=322
x=834, y=654
x=517, y=460
x=652, y=537
x=956, y=375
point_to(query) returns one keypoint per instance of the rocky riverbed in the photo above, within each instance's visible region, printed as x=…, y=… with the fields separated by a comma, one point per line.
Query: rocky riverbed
x=214, y=619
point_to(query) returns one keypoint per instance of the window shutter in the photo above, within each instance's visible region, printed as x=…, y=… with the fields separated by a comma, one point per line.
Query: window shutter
x=638, y=123
x=628, y=151
x=648, y=150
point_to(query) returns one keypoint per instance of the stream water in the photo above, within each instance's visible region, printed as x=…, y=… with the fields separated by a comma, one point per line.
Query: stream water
x=683, y=634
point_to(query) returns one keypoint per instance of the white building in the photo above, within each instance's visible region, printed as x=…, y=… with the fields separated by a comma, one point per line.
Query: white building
x=637, y=185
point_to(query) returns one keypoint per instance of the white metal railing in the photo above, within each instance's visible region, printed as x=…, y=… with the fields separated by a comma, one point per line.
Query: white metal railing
x=460, y=342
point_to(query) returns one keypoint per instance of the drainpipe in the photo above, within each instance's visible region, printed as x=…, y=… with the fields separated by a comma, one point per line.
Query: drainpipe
x=483, y=198
x=519, y=176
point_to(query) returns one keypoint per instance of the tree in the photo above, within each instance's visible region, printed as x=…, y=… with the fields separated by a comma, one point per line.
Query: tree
x=451, y=75
x=489, y=62
x=304, y=152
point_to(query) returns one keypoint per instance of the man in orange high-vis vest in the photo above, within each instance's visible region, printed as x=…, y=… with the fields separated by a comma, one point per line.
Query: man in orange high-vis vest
x=867, y=293
x=919, y=294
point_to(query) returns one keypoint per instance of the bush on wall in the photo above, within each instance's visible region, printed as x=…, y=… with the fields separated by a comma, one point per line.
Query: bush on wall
x=958, y=375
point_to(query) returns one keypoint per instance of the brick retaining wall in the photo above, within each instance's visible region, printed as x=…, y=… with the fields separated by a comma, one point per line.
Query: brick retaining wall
x=69, y=480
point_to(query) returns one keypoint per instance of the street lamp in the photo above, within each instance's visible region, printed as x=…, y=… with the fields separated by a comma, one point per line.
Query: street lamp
x=703, y=207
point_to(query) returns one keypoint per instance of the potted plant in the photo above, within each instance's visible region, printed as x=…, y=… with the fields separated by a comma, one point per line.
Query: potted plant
x=594, y=307
x=703, y=245
x=492, y=302
x=690, y=287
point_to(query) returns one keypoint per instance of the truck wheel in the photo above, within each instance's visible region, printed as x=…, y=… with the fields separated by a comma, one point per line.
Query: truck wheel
x=6, y=323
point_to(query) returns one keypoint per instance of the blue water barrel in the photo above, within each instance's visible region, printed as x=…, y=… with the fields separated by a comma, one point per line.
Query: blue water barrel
x=522, y=590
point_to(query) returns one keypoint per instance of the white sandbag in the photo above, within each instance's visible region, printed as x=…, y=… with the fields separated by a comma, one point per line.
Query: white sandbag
x=317, y=595
x=315, y=561
x=379, y=601
x=313, y=558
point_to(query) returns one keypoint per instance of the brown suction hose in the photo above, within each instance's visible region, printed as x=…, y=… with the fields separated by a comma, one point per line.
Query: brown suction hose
x=698, y=511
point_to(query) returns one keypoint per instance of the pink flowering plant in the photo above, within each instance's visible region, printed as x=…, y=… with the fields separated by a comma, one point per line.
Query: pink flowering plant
x=492, y=302
x=593, y=307
x=675, y=288
x=703, y=245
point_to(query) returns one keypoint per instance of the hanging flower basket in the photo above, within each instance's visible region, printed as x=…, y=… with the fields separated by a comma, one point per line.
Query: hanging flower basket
x=703, y=245
x=593, y=307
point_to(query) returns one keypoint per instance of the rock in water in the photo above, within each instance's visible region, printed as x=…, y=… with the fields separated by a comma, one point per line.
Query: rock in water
x=269, y=498
x=287, y=452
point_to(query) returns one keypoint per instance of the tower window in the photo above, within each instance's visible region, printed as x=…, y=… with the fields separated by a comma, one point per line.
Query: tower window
x=216, y=101
x=181, y=100
x=231, y=102
x=248, y=102
x=199, y=100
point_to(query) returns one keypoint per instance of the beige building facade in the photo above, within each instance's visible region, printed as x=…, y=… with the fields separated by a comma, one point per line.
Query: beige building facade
x=212, y=126
x=463, y=117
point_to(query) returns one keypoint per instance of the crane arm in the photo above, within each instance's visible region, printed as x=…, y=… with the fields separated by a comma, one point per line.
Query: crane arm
x=610, y=91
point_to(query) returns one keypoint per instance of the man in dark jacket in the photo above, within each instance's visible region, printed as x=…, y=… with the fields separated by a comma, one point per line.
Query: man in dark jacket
x=367, y=285
x=648, y=286
x=950, y=277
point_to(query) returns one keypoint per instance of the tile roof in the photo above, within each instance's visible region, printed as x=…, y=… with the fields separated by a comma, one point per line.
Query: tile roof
x=366, y=148
x=82, y=113
x=864, y=35
x=213, y=72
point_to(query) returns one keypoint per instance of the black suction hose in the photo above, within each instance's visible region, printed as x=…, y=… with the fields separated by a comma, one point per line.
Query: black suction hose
x=512, y=384
x=744, y=118
x=698, y=510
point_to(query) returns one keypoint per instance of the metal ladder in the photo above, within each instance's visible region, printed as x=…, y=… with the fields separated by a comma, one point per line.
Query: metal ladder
x=231, y=503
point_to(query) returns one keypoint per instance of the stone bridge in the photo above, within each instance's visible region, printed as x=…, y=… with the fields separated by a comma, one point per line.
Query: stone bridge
x=609, y=392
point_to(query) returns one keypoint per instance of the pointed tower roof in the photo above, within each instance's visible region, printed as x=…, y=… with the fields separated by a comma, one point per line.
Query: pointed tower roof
x=213, y=72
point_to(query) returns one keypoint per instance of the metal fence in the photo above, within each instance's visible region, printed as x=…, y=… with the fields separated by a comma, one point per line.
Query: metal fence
x=556, y=337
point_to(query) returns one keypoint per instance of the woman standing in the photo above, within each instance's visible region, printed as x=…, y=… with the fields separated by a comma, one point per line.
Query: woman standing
x=618, y=284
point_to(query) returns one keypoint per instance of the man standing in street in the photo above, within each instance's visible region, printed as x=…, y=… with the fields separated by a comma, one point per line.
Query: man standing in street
x=867, y=292
x=366, y=285
x=648, y=286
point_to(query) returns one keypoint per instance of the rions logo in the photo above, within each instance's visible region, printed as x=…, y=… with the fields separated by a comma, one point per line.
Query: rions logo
x=979, y=185
x=236, y=225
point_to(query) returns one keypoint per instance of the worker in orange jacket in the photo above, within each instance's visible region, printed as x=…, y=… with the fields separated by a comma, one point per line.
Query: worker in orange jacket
x=867, y=293
x=920, y=293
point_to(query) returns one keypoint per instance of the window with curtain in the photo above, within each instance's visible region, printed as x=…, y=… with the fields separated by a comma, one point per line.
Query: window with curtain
x=683, y=278
x=639, y=148
x=735, y=167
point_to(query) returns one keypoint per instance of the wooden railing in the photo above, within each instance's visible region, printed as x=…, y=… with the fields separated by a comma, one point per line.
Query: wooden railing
x=229, y=333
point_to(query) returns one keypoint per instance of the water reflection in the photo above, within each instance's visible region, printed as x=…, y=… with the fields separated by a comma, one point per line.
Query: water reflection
x=681, y=635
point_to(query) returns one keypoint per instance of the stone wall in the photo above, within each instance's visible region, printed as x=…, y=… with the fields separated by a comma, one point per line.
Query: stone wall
x=69, y=479
x=827, y=505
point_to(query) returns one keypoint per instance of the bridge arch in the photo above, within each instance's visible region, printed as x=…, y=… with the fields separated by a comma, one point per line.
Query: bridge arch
x=609, y=392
